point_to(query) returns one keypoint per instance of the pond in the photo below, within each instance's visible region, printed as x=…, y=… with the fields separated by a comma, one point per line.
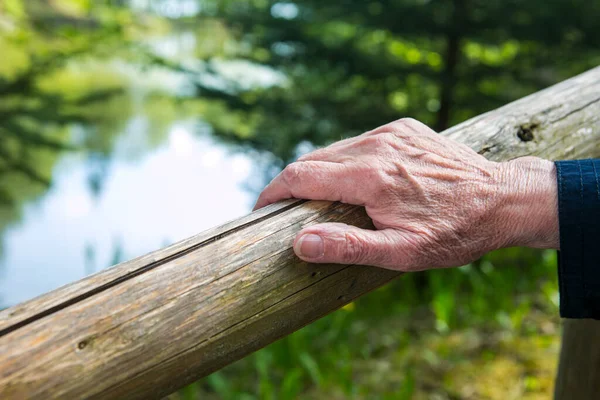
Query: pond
x=188, y=183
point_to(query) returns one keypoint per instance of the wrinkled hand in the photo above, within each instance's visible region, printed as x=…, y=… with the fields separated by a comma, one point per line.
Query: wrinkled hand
x=434, y=202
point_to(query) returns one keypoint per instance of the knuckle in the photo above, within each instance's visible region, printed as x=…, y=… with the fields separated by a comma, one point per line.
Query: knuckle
x=406, y=124
x=292, y=173
x=409, y=121
x=312, y=155
x=399, y=126
x=354, y=249
x=378, y=130
x=377, y=142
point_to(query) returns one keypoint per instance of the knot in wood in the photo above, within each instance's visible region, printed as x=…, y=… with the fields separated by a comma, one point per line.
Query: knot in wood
x=525, y=131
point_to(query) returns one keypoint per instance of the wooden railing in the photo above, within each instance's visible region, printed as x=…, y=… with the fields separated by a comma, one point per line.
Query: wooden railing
x=147, y=327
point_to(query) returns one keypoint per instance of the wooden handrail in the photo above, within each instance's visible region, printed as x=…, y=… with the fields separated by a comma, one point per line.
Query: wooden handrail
x=147, y=327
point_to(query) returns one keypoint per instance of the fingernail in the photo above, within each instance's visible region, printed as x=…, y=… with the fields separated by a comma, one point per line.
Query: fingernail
x=309, y=246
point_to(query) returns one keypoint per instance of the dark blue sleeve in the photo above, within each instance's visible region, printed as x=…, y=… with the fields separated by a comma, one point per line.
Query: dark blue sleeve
x=579, y=221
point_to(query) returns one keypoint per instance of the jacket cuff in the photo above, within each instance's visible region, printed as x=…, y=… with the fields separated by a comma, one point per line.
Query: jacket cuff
x=579, y=220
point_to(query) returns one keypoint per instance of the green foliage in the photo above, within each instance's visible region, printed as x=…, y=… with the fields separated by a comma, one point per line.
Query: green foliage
x=351, y=66
x=33, y=109
x=56, y=93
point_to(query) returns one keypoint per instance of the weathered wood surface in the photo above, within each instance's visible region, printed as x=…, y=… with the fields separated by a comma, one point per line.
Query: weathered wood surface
x=144, y=328
x=578, y=376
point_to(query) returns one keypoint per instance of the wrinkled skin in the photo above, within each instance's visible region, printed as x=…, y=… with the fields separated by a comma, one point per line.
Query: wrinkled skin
x=435, y=203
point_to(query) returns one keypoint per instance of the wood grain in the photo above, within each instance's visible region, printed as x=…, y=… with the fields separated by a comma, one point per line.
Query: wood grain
x=579, y=367
x=146, y=327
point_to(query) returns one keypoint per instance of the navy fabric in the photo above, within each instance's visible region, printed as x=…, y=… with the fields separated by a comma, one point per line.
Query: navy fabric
x=579, y=221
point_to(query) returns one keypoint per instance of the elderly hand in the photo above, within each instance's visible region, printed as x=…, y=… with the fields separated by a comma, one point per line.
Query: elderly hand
x=434, y=202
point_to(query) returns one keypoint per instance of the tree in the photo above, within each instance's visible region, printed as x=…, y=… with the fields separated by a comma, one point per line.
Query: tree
x=352, y=65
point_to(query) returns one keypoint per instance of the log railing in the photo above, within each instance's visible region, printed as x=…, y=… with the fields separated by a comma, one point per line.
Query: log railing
x=149, y=326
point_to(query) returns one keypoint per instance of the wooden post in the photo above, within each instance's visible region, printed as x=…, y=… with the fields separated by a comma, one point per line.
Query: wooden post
x=578, y=374
x=149, y=326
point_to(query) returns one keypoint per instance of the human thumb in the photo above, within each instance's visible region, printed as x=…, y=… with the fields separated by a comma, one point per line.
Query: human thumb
x=343, y=244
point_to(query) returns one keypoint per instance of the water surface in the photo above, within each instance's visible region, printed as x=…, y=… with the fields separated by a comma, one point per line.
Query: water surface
x=188, y=184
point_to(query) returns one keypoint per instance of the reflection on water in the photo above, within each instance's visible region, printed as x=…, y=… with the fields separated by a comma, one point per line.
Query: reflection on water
x=188, y=185
x=165, y=179
x=168, y=8
x=148, y=176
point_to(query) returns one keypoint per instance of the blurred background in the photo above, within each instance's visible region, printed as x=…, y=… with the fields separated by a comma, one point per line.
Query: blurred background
x=126, y=125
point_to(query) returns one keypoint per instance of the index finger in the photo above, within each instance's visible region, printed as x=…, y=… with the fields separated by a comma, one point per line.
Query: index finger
x=312, y=180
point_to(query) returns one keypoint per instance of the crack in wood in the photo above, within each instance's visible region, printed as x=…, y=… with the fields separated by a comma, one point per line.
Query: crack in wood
x=575, y=110
x=212, y=338
x=333, y=208
x=144, y=269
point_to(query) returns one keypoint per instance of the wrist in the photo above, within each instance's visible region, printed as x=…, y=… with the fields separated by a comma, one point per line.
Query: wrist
x=528, y=203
